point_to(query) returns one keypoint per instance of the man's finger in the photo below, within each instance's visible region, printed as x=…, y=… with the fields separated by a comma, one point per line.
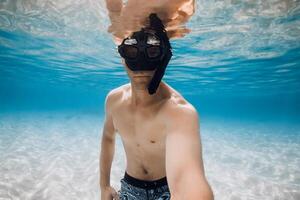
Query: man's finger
x=115, y=196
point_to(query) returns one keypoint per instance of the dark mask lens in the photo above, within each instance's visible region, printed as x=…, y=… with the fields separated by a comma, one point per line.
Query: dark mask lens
x=153, y=52
x=130, y=51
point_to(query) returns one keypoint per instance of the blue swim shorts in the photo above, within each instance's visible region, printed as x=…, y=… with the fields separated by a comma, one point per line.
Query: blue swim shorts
x=136, y=189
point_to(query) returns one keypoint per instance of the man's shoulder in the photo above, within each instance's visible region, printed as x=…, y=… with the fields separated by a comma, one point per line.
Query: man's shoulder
x=178, y=108
x=117, y=92
x=177, y=103
x=114, y=95
x=181, y=115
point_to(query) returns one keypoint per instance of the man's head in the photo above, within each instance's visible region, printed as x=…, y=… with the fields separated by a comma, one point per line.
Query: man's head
x=148, y=50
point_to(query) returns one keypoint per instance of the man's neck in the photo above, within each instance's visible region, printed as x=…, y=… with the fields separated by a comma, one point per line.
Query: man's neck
x=141, y=97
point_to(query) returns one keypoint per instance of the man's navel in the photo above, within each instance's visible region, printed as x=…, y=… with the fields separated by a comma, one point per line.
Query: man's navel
x=145, y=170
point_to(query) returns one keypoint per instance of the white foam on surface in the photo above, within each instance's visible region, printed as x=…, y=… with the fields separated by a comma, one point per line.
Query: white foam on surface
x=56, y=156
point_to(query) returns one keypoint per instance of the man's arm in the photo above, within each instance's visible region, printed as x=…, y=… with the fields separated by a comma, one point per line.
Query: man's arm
x=184, y=164
x=107, y=144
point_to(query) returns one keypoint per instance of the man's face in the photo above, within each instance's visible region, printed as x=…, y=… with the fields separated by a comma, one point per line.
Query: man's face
x=141, y=77
x=143, y=53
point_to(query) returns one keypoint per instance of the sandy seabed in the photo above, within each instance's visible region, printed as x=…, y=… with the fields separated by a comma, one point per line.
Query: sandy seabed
x=56, y=156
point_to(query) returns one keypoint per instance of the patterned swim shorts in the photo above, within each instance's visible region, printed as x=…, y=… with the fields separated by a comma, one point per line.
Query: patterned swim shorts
x=136, y=189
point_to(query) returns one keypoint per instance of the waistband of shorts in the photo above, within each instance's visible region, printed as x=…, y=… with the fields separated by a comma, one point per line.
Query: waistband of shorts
x=144, y=183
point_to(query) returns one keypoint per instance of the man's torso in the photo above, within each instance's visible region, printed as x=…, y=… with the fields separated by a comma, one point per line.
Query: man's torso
x=143, y=131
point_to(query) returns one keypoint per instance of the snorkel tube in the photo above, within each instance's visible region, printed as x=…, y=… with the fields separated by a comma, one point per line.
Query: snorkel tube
x=157, y=25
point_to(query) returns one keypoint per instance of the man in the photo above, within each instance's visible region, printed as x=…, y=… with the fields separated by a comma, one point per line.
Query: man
x=158, y=127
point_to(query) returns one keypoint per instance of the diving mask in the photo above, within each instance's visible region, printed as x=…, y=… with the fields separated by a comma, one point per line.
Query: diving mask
x=143, y=47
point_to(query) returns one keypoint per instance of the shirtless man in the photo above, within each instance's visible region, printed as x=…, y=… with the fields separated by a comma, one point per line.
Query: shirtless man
x=158, y=127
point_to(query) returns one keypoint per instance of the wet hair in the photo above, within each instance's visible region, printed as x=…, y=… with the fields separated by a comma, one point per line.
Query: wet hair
x=156, y=23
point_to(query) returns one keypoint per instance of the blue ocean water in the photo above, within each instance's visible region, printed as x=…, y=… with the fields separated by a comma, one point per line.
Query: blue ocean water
x=239, y=66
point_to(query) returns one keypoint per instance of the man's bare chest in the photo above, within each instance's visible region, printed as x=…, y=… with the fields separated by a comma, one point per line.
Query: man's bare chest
x=140, y=127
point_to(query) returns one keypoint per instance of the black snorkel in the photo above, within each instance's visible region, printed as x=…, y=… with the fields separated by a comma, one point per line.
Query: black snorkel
x=158, y=26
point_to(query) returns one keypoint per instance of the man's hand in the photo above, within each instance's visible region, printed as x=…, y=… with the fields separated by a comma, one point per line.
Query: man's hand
x=109, y=193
